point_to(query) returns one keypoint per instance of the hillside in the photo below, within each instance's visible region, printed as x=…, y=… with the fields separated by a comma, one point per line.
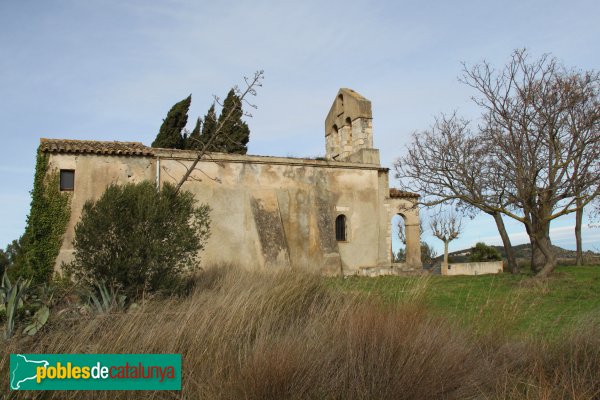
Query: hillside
x=522, y=251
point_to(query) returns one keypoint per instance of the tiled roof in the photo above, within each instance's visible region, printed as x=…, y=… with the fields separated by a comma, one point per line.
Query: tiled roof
x=94, y=147
x=395, y=193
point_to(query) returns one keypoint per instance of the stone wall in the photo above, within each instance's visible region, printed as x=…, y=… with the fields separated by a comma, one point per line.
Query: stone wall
x=93, y=173
x=267, y=212
x=273, y=213
x=473, y=268
x=348, y=126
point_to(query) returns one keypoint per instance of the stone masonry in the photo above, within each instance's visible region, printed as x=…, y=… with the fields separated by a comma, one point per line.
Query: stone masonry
x=269, y=213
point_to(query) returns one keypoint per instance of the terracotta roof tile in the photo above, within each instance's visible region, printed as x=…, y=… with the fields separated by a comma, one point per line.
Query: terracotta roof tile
x=395, y=193
x=94, y=147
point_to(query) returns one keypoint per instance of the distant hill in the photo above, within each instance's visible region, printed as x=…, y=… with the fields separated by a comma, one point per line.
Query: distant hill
x=522, y=251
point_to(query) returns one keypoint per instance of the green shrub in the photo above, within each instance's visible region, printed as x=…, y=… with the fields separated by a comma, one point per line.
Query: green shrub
x=4, y=261
x=483, y=252
x=428, y=254
x=399, y=256
x=15, y=262
x=138, y=238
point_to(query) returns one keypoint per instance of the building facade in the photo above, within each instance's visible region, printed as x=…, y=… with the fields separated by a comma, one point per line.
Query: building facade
x=330, y=215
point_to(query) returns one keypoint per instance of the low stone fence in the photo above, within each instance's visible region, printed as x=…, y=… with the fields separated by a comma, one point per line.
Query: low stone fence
x=401, y=269
x=472, y=268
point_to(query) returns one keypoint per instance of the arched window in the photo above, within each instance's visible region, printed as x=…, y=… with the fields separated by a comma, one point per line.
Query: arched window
x=340, y=228
x=349, y=132
x=335, y=142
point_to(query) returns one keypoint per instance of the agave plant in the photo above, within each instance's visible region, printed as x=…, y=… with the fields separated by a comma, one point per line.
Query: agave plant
x=105, y=299
x=11, y=296
x=38, y=321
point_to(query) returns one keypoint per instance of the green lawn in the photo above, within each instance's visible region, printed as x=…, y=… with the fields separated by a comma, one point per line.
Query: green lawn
x=517, y=305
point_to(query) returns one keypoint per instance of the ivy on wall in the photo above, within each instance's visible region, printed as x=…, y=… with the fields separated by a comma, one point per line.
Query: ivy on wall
x=46, y=223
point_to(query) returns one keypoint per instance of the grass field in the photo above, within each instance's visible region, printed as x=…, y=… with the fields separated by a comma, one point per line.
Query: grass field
x=296, y=336
x=521, y=306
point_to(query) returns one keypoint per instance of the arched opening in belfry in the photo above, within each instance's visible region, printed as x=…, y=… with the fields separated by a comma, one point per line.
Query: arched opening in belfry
x=341, y=99
x=349, y=130
x=398, y=245
x=335, y=142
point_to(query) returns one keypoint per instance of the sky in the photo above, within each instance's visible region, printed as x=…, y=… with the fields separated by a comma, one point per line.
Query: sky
x=110, y=70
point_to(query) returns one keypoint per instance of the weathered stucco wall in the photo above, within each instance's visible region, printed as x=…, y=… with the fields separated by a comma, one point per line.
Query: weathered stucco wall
x=93, y=173
x=271, y=212
x=267, y=212
x=473, y=268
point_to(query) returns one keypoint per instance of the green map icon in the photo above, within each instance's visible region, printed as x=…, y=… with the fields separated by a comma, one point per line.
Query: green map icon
x=23, y=369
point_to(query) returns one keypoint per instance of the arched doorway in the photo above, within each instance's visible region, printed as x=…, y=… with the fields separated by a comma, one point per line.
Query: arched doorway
x=398, y=245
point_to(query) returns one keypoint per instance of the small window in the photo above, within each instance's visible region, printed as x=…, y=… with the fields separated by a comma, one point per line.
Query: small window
x=67, y=179
x=340, y=228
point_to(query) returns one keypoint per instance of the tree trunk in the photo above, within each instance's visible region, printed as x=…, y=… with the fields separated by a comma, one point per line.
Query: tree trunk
x=578, y=222
x=541, y=236
x=446, y=252
x=537, y=256
x=510, y=254
x=546, y=247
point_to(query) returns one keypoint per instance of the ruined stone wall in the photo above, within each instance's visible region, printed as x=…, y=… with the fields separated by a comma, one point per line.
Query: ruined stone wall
x=410, y=214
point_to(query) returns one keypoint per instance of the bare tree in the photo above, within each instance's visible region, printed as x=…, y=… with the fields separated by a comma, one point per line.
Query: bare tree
x=219, y=135
x=535, y=156
x=446, y=227
x=447, y=163
x=401, y=231
x=541, y=130
x=582, y=110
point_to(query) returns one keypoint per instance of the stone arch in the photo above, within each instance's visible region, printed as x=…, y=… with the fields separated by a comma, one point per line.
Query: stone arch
x=336, y=142
x=348, y=139
x=405, y=204
x=398, y=225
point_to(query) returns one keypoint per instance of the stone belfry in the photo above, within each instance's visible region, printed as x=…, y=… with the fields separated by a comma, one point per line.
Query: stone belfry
x=349, y=129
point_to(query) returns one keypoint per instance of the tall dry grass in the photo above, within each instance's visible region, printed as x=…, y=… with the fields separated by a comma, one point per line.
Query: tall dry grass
x=249, y=335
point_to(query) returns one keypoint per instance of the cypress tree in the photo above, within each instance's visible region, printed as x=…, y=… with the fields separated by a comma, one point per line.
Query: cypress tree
x=194, y=141
x=235, y=133
x=209, y=127
x=169, y=135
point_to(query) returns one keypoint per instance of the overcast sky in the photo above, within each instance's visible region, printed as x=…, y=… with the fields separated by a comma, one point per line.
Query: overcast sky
x=110, y=70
